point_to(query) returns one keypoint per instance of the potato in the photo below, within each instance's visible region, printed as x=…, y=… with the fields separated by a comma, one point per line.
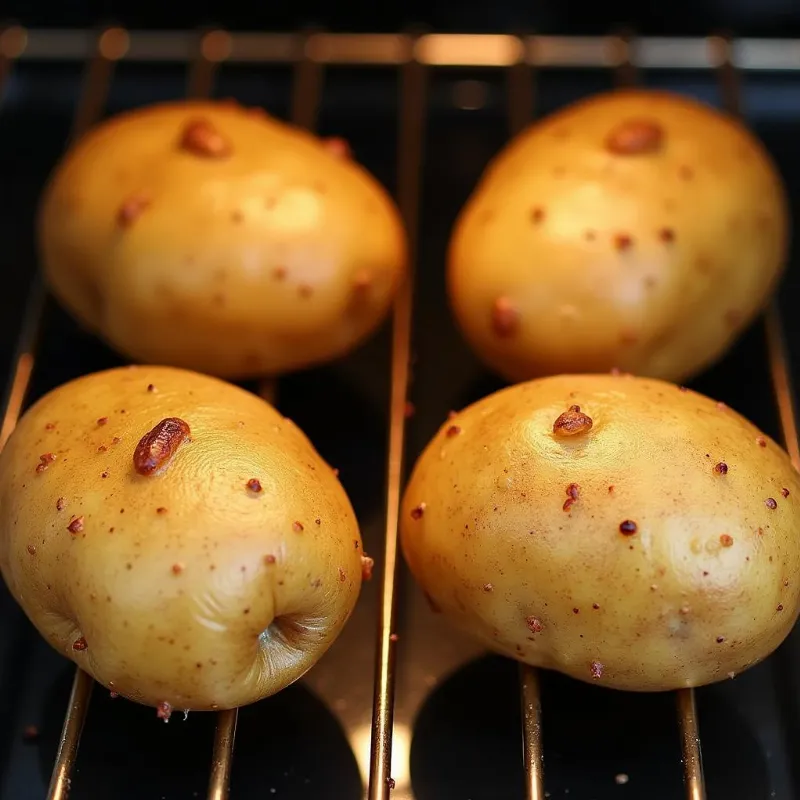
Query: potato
x=636, y=229
x=616, y=529
x=176, y=537
x=211, y=237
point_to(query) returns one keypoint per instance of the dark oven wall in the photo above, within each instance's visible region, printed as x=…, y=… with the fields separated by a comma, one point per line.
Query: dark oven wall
x=747, y=17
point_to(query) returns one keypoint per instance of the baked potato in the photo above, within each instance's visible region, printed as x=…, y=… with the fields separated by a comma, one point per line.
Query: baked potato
x=636, y=229
x=213, y=237
x=176, y=537
x=620, y=530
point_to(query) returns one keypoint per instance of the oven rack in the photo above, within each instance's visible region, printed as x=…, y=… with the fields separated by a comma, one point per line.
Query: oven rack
x=414, y=56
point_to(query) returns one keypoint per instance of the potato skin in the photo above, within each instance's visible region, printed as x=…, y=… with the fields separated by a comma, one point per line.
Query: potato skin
x=573, y=257
x=188, y=587
x=524, y=537
x=271, y=257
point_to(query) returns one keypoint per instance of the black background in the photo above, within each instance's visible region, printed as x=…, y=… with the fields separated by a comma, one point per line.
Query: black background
x=674, y=17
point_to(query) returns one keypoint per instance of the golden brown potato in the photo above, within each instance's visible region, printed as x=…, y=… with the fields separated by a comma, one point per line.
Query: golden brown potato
x=176, y=537
x=212, y=237
x=636, y=229
x=620, y=530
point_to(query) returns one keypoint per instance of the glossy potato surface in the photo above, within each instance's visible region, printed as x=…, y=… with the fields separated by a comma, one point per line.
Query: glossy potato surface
x=648, y=539
x=214, y=581
x=216, y=238
x=635, y=229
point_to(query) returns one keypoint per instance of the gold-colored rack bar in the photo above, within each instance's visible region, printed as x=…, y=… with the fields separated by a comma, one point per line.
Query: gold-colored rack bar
x=412, y=103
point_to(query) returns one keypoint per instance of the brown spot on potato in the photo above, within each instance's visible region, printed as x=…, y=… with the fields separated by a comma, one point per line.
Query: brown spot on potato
x=572, y=422
x=31, y=549
x=726, y=540
x=60, y=503
x=50, y=426
x=164, y=711
x=269, y=559
x=342, y=575
x=254, y=485
x=279, y=273
x=337, y=147
x=102, y=421
x=104, y=474
x=200, y=137
x=131, y=209
x=102, y=449
x=505, y=318
x=158, y=446
x=771, y=503
x=151, y=388
x=568, y=503
x=534, y=624
x=595, y=606
x=304, y=290
x=161, y=510
x=452, y=431
x=487, y=587
x=780, y=607
x=76, y=526
x=80, y=644
x=761, y=441
x=177, y=568
x=667, y=235
x=623, y=241
x=634, y=137
x=537, y=215
x=628, y=527
x=785, y=492
x=418, y=511
x=45, y=460
x=297, y=527
x=596, y=670
x=367, y=565
x=720, y=639
x=721, y=468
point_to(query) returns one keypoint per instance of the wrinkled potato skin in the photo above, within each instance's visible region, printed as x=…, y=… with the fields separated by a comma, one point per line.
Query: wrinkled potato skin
x=651, y=262
x=669, y=606
x=172, y=604
x=279, y=256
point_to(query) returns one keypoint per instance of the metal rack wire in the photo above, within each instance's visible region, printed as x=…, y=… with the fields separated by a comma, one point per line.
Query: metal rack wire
x=414, y=57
